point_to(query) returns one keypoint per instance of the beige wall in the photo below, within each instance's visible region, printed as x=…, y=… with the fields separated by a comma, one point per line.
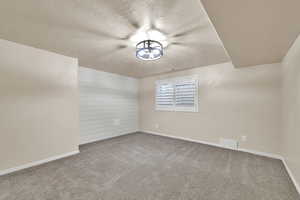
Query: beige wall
x=291, y=109
x=38, y=105
x=232, y=103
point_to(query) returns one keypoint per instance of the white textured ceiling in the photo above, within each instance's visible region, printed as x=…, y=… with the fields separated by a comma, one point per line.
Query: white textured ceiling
x=255, y=32
x=101, y=33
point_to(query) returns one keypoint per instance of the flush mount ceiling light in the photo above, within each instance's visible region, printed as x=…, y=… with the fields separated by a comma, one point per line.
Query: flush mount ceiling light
x=149, y=50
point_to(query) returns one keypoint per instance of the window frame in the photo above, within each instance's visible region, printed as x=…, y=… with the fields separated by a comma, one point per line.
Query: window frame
x=173, y=82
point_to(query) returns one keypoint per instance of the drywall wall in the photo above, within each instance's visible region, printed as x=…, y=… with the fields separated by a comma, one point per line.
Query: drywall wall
x=38, y=105
x=108, y=105
x=291, y=110
x=232, y=103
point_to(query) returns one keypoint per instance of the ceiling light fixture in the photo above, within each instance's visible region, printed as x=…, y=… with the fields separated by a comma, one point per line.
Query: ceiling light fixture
x=149, y=50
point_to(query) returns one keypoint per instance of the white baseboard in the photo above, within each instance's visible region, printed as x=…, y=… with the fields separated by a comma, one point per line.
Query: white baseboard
x=291, y=175
x=275, y=156
x=32, y=164
x=102, y=137
x=270, y=155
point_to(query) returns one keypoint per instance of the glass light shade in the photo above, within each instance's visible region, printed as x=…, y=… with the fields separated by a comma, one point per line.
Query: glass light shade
x=149, y=50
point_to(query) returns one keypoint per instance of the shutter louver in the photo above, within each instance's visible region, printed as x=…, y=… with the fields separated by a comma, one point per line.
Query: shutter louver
x=165, y=95
x=185, y=94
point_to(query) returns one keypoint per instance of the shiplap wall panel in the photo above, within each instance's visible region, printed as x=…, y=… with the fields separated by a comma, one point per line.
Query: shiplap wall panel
x=108, y=105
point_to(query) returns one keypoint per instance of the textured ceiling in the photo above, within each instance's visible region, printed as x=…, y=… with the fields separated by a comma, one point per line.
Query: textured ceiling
x=102, y=33
x=255, y=31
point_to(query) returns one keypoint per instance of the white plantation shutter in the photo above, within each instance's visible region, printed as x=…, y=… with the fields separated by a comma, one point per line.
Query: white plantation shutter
x=164, y=96
x=180, y=94
x=186, y=95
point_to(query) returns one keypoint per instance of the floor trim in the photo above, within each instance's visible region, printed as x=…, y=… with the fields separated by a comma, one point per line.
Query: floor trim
x=270, y=155
x=291, y=176
x=36, y=163
x=275, y=156
x=39, y=162
x=105, y=137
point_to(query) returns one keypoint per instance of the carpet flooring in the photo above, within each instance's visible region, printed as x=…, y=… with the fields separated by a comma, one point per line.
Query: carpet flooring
x=147, y=167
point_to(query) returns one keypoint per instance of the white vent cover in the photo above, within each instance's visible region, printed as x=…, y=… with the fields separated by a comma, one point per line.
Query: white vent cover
x=229, y=143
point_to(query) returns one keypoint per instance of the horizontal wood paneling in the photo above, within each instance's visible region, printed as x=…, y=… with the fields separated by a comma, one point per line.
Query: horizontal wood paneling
x=108, y=105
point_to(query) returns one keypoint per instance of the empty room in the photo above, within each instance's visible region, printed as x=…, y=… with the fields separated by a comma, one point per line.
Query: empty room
x=149, y=100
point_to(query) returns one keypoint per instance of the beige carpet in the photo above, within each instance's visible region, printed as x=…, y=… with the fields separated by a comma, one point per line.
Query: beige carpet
x=146, y=167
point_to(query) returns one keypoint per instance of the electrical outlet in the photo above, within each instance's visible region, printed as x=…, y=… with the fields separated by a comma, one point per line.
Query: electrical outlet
x=244, y=138
x=116, y=122
x=157, y=126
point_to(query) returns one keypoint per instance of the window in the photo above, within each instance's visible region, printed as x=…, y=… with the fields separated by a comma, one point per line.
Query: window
x=180, y=94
